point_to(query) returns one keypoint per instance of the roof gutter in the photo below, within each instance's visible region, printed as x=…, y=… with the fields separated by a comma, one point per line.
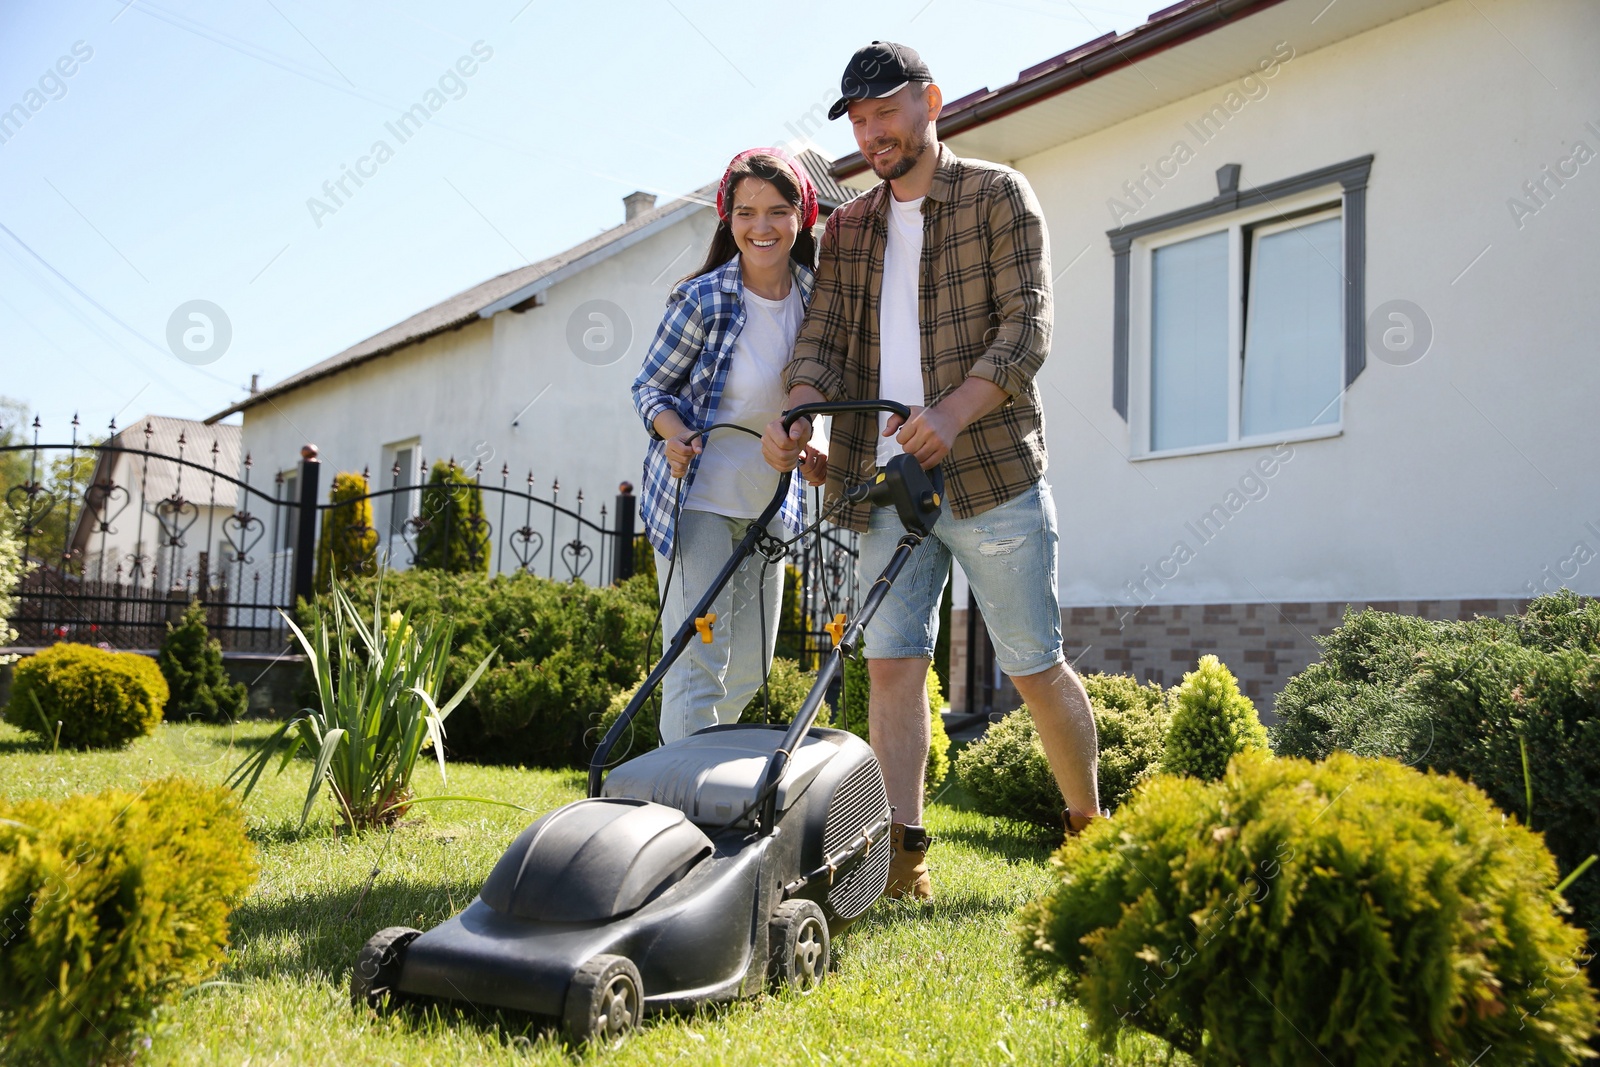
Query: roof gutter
x=1138, y=43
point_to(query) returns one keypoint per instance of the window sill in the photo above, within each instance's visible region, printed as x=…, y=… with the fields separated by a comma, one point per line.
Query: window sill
x=1265, y=440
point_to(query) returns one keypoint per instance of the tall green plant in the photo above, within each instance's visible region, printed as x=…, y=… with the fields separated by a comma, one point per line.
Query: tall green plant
x=453, y=534
x=348, y=547
x=378, y=687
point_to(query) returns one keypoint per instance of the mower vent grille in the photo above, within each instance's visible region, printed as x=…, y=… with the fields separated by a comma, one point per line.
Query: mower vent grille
x=860, y=802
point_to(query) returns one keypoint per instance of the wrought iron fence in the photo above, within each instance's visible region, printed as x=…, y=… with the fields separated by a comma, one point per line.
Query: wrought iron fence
x=121, y=548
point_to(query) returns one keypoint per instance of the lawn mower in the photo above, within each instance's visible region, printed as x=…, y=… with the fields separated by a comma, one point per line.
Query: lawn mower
x=706, y=870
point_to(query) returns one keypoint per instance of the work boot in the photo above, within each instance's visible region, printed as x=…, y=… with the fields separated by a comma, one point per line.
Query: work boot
x=1076, y=822
x=908, y=863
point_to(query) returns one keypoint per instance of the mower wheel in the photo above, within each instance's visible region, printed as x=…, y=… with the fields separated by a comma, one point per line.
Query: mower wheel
x=378, y=968
x=798, y=939
x=605, y=1000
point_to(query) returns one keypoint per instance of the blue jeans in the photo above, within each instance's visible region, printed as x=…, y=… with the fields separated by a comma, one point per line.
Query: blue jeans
x=1008, y=554
x=711, y=684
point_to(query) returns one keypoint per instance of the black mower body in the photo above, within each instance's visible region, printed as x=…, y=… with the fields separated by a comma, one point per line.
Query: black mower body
x=692, y=874
x=664, y=871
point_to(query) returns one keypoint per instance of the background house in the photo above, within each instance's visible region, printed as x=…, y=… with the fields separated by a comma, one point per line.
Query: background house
x=148, y=521
x=1324, y=329
x=528, y=372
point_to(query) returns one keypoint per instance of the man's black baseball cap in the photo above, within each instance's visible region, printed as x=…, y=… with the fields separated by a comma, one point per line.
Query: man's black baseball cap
x=880, y=69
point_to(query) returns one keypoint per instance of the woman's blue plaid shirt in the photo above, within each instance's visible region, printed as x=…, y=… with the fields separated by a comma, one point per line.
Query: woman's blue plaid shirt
x=686, y=369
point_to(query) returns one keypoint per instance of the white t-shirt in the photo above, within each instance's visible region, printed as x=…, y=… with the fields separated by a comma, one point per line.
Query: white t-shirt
x=899, y=332
x=732, y=478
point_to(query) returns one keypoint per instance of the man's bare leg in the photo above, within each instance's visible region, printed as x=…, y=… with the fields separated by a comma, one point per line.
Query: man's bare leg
x=897, y=718
x=1061, y=714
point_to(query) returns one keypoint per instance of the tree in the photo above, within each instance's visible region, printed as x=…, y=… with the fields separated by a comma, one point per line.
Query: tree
x=39, y=521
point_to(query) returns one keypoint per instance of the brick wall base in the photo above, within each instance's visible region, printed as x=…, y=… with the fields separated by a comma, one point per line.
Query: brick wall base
x=1262, y=644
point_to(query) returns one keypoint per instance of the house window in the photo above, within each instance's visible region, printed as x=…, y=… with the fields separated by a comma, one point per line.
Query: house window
x=1240, y=321
x=400, y=506
x=289, y=517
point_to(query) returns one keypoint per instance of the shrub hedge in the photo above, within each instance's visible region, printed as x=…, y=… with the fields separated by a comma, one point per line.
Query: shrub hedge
x=1007, y=774
x=102, y=699
x=1464, y=698
x=1211, y=722
x=109, y=904
x=565, y=649
x=1350, y=912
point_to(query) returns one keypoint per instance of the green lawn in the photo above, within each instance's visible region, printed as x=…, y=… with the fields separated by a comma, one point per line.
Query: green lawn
x=913, y=986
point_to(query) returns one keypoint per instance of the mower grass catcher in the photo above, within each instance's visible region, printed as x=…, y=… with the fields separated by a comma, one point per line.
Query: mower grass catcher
x=706, y=870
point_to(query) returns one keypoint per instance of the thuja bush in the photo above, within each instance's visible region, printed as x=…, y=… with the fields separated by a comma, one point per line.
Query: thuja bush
x=855, y=694
x=1007, y=774
x=565, y=649
x=1211, y=722
x=348, y=546
x=452, y=533
x=198, y=685
x=1470, y=698
x=101, y=699
x=110, y=904
x=788, y=686
x=1354, y=911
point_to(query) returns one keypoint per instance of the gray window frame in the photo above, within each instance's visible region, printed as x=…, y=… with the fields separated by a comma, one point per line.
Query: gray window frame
x=1352, y=177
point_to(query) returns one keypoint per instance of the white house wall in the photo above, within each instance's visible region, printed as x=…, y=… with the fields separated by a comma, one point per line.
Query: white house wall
x=459, y=393
x=1463, y=475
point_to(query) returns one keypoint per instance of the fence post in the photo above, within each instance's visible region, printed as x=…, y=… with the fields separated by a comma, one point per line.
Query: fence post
x=622, y=557
x=305, y=541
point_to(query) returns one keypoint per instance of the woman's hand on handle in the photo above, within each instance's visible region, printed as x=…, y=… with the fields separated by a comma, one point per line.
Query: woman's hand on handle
x=813, y=466
x=681, y=450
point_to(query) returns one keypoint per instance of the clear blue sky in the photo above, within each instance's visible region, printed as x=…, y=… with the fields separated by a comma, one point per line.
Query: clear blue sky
x=176, y=160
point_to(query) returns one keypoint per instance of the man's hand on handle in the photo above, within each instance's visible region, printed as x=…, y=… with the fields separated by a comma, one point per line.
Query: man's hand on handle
x=928, y=436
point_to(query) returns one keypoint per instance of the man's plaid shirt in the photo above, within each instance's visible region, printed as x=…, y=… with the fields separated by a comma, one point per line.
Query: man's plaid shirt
x=686, y=369
x=985, y=308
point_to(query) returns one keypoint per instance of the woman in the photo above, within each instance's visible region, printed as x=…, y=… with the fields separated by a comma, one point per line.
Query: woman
x=718, y=357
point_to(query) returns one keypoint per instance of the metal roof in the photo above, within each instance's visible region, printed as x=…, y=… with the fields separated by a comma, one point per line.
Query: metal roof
x=1178, y=52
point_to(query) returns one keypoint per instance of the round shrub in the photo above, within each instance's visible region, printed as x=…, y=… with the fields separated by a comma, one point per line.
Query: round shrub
x=191, y=661
x=1211, y=722
x=787, y=683
x=102, y=699
x=1354, y=911
x=1007, y=773
x=112, y=903
x=857, y=693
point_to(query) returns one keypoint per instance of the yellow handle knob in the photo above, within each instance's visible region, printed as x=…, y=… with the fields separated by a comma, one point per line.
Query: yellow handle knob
x=703, y=623
x=835, y=629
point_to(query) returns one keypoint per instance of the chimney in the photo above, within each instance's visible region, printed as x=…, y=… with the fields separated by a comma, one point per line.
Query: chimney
x=254, y=384
x=637, y=204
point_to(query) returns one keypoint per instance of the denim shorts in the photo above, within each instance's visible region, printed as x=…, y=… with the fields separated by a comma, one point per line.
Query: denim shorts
x=1008, y=554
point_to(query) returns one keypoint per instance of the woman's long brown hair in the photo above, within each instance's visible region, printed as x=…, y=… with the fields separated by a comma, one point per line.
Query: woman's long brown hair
x=768, y=169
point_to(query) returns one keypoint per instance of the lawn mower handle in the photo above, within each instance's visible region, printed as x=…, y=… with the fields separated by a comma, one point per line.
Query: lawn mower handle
x=842, y=407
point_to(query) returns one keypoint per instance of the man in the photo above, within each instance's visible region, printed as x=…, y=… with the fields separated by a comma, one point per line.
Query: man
x=934, y=290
